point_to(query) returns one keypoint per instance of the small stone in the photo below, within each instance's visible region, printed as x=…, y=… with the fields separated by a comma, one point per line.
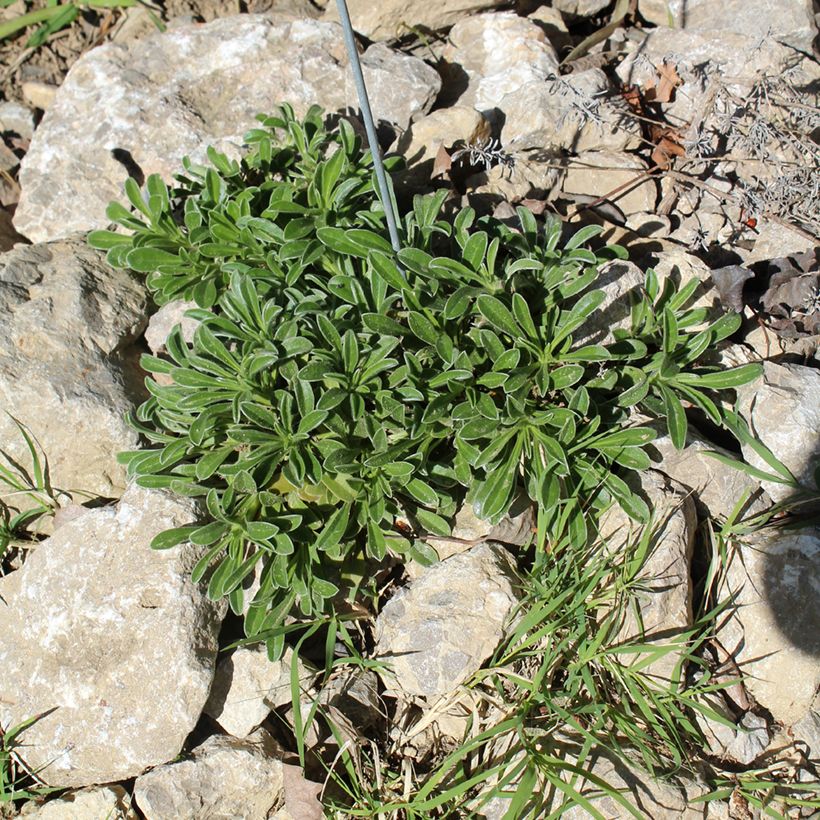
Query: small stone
x=110, y=641
x=500, y=52
x=39, y=95
x=224, y=778
x=247, y=686
x=439, y=630
x=807, y=731
x=165, y=320
x=16, y=119
x=420, y=144
x=102, y=803
x=740, y=743
x=782, y=409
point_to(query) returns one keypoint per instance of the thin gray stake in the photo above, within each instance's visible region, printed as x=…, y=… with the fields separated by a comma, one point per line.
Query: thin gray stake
x=370, y=128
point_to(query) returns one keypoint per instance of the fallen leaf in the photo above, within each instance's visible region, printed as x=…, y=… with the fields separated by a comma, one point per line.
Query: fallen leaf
x=729, y=282
x=443, y=163
x=668, y=81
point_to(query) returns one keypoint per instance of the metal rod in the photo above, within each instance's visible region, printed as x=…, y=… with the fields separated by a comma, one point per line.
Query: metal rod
x=369, y=126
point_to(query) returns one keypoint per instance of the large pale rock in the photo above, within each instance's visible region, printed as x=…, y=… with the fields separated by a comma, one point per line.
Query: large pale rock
x=67, y=370
x=395, y=18
x=782, y=409
x=247, y=685
x=224, y=778
x=705, y=56
x=439, y=630
x=787, y=21
x=718, y=488
x=570, y=113
x=152, y=101
x=773, y=580
x=599, y=173
x=663, y=587
x=103, y=803
x=500, y=53
x=111, y=636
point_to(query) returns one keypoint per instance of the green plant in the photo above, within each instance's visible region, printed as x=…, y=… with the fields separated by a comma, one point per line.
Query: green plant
x=17, y=782
x=54, y=16
x=566, y=687
x=333, y=391
x=33, y=487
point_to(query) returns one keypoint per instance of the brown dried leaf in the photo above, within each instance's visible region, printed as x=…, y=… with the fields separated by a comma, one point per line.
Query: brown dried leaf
x=443, y=163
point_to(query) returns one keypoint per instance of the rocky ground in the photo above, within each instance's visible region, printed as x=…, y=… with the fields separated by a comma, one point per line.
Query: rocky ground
x=687, y=129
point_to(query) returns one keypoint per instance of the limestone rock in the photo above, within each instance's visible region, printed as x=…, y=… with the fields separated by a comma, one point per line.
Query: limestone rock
x=742, y=742
x=782, y=409
x=717, y=487
x=166, y=319
x=353, y=702
x=499, y=52
x=394, y=18
x=147, y=103
x=247, y=685
x=663, y=585
x=439, y=630
x=580, y=8
x=786, y=21
x=598, y=173
x=66, y=367
x=567, y=114
x=700, y=56
x=774, y=632
x=16, y=118
x=103, y=803
x=224, y=778
x=420, y=144
x=113, y=637
x=620, y=280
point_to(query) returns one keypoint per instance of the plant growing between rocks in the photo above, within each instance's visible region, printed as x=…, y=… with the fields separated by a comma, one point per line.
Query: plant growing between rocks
x=337, y=404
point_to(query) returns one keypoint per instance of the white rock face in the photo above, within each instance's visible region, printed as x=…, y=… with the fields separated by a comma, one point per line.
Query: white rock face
x=500, y=52
x=734, y=58
x=247, y=686
x=782, y=409
x=152, y=101
x=774, y=633
x=439, y=630
x=103, y=803
x=664, y=588
x=787, y=21
x=113, y=637
x=66, y=367
x=393, y=18
x=553, y=117
x=224, y=778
